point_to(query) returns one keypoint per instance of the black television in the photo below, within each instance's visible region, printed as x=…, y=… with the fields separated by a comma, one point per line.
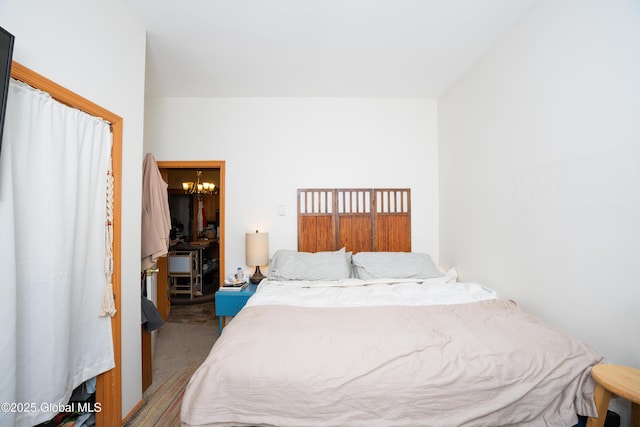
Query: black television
x=6, y=55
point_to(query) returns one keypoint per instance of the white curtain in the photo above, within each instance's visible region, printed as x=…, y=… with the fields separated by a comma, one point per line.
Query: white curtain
x=53, y=164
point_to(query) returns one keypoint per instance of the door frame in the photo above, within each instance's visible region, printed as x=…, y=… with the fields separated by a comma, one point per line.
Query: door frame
x=108, y=384
x=164, y=166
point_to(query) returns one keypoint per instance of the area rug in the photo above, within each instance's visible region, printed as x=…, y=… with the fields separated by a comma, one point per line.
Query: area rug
x=162, y=407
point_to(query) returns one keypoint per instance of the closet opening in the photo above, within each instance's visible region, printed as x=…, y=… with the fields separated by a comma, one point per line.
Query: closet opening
x=108, y=387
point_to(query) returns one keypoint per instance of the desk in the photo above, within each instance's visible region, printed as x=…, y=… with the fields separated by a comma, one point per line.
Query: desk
x=229, y=303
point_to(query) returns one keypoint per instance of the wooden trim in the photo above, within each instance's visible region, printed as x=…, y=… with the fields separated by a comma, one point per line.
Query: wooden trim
x=147, y=361
x=61, y=94
x=109, y=384
x=162, y=283
x=133, y=411
x=163, y=303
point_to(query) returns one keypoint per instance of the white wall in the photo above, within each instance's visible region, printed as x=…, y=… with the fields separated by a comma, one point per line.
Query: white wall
x=75, y=44
x=273, y=146
x=540, y=171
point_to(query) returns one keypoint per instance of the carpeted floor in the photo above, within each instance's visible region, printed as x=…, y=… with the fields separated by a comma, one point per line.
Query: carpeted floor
x=181, y=345
x=194, y=314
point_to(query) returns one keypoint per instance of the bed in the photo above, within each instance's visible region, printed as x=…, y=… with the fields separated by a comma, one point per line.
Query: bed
x=384, y=338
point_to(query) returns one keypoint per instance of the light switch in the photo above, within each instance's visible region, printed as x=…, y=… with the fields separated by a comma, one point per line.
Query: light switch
x=282, y=210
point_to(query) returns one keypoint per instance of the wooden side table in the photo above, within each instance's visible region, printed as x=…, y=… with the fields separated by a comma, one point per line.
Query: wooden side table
x=229, y=303
x=622, y=381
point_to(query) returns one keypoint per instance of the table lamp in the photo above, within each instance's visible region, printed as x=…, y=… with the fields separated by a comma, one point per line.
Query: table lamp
x=257, y=253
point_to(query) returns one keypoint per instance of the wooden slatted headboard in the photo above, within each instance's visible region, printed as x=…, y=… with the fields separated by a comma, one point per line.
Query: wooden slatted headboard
x=360, y=220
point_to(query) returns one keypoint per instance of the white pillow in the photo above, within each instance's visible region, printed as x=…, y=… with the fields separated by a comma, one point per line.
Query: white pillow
x=394, y=265
x=293, y=265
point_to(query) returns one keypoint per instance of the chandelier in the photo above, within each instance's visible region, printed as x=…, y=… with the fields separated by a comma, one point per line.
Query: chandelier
x=199, y=187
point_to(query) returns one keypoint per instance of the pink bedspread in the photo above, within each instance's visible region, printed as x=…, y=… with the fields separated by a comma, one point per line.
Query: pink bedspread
x=477, y=364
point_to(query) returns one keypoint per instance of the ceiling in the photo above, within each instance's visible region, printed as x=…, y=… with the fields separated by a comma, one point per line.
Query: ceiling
x=317, y=48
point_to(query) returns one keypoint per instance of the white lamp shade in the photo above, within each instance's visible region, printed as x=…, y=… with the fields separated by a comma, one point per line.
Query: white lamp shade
x=257, y=247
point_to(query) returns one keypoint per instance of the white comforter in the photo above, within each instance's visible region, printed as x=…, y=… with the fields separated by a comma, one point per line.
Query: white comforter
x=369, y=293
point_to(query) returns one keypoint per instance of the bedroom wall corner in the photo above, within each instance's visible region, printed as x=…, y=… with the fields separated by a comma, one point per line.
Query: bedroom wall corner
x=539, y=170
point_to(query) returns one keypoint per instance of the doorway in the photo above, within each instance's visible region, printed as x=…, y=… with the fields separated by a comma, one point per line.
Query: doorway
x=194, y=219
x=186, y=230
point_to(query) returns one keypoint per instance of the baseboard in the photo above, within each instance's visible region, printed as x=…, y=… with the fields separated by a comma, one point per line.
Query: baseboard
x=133, y=411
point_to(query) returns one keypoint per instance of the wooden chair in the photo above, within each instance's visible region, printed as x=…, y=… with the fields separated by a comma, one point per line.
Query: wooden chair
x=622, y=381
x=184, y=272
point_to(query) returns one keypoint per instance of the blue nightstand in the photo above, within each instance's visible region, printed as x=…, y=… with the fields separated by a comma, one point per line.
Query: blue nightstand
x=229, y=303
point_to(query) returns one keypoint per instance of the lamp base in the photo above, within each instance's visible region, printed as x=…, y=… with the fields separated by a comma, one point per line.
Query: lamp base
x=257, y=276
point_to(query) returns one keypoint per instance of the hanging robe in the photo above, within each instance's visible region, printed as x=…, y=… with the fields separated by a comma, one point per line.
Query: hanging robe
x=156, y=218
